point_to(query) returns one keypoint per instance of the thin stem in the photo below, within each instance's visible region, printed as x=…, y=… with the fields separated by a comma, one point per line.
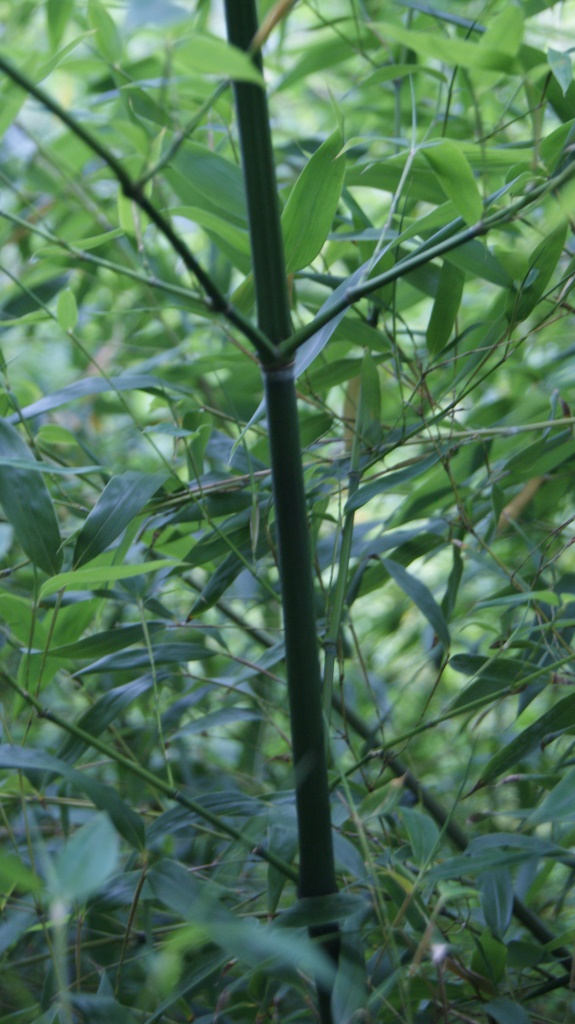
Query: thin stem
x=153, y=780
x=425, y=254
x=133, y=190
x=332, y=636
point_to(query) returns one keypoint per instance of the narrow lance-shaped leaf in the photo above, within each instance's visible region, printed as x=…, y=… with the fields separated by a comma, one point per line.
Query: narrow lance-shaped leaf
x=445, y=307
x=541, y=267
x=127, y=822
x=123, y=498
x=456, y=178
x=310, y=209
x=421, y=596
x=27, y=504
x=561, y=716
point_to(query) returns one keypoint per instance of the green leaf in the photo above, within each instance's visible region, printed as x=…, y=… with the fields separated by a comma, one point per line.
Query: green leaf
x=100, y=1009
x=504, y=32
x=57, y=15
x=209, y=55
x=27, y=504
x=559, y=804
x=456, y=178
x=93, y=386
x=490, y=955
x=506, y=1011
x=369, y=412
x=560, y=717
x=496, y=888
x=99, y=576
x=107, y=708
x=423, y=834
x=127, y=822
x=121, y=500
x=445, y=307
x=421, y=597
x=67, y=310
x=106, y=33
x=308, y=214
x=562, y=68
x=317, y=910
x=390, y=481
x=541, y=267
x=452, y=51
x=14, y=874
x=88, y=859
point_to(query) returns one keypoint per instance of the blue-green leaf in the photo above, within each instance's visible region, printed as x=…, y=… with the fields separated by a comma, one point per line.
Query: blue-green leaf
x=123, y=497
x=27, y=503
x=421, y=596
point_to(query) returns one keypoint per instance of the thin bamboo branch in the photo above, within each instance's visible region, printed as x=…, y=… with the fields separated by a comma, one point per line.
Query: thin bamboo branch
x=157, y=783
x=425, y=254
x=134, y=191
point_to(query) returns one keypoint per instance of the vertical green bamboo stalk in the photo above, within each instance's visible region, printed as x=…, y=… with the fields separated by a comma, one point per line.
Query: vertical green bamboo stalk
x=316, y=861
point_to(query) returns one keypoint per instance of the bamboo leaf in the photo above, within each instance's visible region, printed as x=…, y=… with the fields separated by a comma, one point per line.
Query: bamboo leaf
x=205, y=54
x=104, y=26
x=57, y=14
x=559, y=804
x=562, y=68
x=496, y=888
x=453, y=51
x=456, y=178
x=127, y=822
x=95, y=577
x=92, y=386
x=445, y=307
x=27, y=503
x=308, y=214
x=560, y=717
x=121, y=500
x=14, y=874
x=421, y=597
x=541, y=267
x=87, y=860
x=505, y=32
x=67, y=310
x=505, y=1011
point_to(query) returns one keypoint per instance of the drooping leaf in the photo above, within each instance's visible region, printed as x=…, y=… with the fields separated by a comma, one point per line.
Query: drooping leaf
x=559, y=804
x=562, y=68
x=456, y=178
x=95, y=577
x=506, y=1011
x=421, y=597
x=14, y=874
x=67, y=310
x=312, y=203
x=561, y=716
x=87, y=860
x=107, y=36
x=445, y=308
x=27, y=504
x=57, y=15
x=496, y=888
x=205, y=54
x=127, y=822
x=541, y=266
x=123, y=497
x=452, y=51
x=91, y=386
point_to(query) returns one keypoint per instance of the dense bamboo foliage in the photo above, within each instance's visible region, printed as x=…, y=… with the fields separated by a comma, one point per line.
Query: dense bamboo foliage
x=286, y=478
